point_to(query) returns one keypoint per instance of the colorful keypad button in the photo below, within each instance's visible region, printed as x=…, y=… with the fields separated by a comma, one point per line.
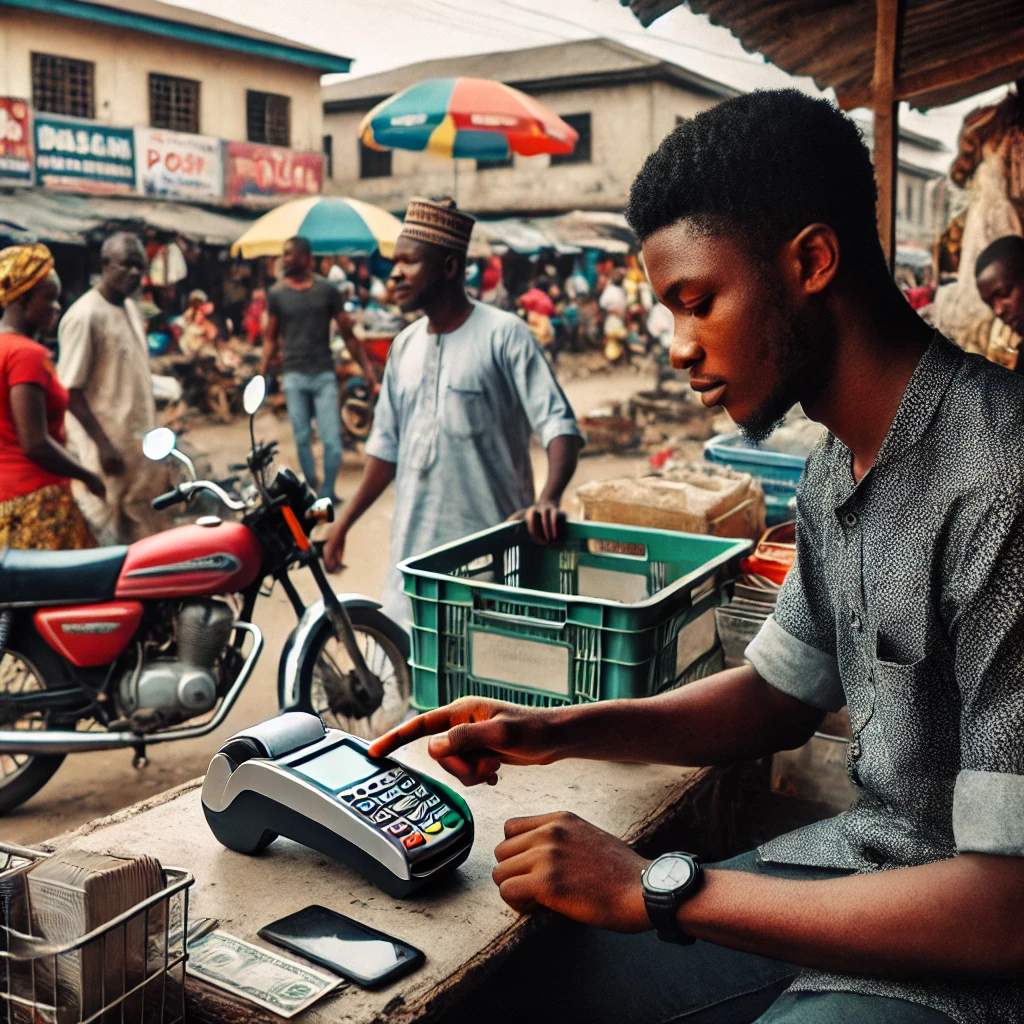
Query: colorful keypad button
x=414, y=840
x=382, y=817
x=397, y=828
x=407, y=783
x=433, y=801
x=392, y=794
x=366, y=806
x=434, y=828
x=451, y=819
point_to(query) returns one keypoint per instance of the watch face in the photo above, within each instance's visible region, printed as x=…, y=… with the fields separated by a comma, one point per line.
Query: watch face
x=668, y=873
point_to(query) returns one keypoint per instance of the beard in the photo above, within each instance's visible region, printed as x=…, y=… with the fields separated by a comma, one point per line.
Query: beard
x=795, y=362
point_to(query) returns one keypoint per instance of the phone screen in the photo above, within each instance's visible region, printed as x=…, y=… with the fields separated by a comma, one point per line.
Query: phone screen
x=363, y=954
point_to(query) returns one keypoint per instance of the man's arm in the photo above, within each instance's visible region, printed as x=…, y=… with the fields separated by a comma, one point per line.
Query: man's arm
x=111, y=458
x=355, y=347
x=376, y=477
x=270, y=343
x=955, y=919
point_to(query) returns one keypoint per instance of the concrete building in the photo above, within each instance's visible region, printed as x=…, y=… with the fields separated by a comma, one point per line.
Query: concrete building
x=136, y=63
x=621, y=101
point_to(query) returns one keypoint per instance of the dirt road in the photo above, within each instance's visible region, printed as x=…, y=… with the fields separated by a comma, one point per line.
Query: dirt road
x=90, y=785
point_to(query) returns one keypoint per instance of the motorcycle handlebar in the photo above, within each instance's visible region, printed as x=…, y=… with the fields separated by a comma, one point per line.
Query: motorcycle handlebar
x=167, y=500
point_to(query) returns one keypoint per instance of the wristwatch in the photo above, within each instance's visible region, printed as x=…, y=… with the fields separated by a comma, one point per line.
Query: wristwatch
x=668, y=880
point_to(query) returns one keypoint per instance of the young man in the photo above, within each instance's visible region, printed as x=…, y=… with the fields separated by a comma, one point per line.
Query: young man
x=465, y=387
x=301, y=309
x=906, y=603
x=104, y=364
x=999, y=274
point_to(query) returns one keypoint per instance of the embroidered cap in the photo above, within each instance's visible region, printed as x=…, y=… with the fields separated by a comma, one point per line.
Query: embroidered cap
x=439, y=223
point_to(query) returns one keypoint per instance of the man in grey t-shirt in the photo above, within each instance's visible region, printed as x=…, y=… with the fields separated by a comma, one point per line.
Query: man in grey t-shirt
x=301, y=310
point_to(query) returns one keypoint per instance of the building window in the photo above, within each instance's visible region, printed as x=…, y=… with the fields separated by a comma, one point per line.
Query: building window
x=374, y=163
x=268, y=118
x=329, y=156
x=581, y=154
x=61, y=85
x=174, y=103
x=493, y=165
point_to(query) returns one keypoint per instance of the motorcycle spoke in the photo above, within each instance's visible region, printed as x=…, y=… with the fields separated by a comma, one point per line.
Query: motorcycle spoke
x=17, y=677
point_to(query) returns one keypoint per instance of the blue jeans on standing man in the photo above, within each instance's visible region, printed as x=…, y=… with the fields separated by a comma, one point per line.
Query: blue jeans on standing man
x=312, y=395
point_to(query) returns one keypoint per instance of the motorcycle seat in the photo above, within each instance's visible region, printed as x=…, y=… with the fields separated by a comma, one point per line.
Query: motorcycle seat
x=59, y=577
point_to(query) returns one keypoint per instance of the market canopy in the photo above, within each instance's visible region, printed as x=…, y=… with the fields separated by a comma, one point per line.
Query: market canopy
x=945, y=50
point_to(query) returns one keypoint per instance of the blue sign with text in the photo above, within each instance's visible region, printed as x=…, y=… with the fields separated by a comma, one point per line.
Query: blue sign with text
x=83, y=156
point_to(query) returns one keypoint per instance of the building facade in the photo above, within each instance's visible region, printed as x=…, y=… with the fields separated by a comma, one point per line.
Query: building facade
x=621, y=102
x=94, y=75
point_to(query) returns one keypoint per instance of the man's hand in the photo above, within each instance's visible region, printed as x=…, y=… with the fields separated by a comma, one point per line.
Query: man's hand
x=479, y=735
x=111, y=460
x=334, y=549
x=544, y=520
x=564, y=863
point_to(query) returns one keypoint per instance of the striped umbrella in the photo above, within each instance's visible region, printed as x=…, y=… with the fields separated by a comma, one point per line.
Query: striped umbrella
x=334, y=227
x=466, y=117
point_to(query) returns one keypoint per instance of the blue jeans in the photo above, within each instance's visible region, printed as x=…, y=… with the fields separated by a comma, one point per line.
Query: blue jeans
x=569, y=972
x=309, y=395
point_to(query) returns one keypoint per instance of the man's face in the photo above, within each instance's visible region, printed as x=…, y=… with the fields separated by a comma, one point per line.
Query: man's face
x=417, y=274
x=293, y=259
x=1002, y=287
x=123, y=271
x=736, y=330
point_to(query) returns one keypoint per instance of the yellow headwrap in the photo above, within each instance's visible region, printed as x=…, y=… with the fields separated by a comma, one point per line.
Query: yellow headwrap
x=22, y=267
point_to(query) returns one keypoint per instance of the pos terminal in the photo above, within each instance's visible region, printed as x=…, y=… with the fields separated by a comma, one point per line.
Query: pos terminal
x=291, y=777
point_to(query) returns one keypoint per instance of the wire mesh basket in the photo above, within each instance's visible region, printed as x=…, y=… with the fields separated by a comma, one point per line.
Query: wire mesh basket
x=130, y=970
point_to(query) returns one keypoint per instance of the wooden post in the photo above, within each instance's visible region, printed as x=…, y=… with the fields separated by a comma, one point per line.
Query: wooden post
x=888, y=23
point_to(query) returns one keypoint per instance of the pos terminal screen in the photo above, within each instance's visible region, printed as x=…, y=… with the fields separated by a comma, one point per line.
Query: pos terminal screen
x=337, y=768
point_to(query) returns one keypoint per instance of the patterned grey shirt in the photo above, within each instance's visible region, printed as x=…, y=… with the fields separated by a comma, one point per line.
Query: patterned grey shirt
x=907, y=605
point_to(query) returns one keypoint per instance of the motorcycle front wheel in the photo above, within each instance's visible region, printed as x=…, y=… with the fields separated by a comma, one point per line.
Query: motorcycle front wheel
x=385, y=648
x=22, y=775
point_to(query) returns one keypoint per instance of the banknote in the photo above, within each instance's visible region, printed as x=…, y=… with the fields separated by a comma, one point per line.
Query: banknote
x=249, y=972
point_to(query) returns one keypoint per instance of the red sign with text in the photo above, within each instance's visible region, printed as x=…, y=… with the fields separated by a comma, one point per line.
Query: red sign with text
x=259, y=175
x=15, y=142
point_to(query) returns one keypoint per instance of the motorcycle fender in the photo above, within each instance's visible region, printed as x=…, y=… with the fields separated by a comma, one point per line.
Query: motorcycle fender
x=298, y=648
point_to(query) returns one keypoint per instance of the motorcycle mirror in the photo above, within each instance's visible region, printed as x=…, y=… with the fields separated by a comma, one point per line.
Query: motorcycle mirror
x=159, y=443
x=255, y=392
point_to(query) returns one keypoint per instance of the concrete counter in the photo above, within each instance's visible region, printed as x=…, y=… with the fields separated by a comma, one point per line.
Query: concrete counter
x=462, y=925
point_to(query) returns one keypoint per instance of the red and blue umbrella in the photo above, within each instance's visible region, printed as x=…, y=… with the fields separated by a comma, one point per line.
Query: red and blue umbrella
x=474, y=118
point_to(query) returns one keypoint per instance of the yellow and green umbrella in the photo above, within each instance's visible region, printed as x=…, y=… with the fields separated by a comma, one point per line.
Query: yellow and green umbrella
x=334, y=226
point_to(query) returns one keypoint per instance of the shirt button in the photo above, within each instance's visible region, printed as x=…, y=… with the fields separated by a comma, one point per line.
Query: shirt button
x=850, y=519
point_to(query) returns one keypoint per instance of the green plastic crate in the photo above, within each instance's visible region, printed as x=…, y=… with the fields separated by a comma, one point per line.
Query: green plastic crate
x=596, y=618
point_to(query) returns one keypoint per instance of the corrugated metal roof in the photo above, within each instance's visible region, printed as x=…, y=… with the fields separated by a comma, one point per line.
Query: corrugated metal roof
x=30, y=214
x=949, y=49
x=564, y=65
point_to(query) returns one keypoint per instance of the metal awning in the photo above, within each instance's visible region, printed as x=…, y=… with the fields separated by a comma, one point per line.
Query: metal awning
x=35, y=215
x=567, y=234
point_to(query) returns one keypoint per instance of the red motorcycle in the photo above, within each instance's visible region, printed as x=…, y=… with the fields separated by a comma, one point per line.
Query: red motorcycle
x=128, y=646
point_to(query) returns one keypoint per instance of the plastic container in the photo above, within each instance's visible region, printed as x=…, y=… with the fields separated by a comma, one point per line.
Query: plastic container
x=775, y=553
x=615, y=611
x=779, y=472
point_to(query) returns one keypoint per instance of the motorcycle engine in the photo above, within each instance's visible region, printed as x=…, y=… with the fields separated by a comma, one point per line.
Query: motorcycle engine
x=171, y=689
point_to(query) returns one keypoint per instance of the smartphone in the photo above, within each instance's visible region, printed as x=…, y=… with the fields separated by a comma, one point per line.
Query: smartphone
x=355, y=951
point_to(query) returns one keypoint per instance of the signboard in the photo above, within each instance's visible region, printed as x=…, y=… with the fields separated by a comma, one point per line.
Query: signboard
x=260, y=175
x=173, y=165
x=83, y=156
x=15, y=145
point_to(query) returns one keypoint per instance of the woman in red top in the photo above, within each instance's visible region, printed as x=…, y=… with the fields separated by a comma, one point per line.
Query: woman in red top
x=36, y=506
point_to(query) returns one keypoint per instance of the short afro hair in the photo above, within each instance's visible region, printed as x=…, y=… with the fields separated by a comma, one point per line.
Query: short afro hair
x=761, y=167
x=1008, y=250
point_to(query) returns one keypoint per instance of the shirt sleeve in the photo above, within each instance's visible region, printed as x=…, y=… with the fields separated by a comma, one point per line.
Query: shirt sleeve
x=337, y=302
x=74, y=336
x=29, y=364
x=795, y=650
x=383, y=440
x=273, y=306
x=985, y=612
x=548, y=410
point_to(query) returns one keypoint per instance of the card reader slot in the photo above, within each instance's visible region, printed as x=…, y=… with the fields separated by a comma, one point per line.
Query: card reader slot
x=435, y=862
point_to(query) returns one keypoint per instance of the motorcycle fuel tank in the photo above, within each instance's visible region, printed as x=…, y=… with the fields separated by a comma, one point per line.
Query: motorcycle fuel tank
x=191, y=561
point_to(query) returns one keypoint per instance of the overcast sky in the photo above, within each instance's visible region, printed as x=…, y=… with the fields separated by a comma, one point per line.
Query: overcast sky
x=381, y=34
